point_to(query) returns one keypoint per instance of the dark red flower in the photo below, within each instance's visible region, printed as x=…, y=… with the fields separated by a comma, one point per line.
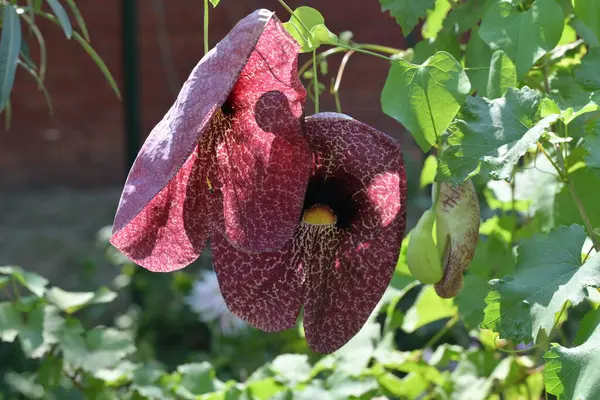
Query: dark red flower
x=229, y=155
x=345, y=248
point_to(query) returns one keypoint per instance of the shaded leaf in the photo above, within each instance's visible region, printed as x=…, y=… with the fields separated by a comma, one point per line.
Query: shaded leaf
x=428, y=307
x=592, y=145
x=587, y=187
x=524, y=36
x=503, y=75
x=81, y=21
x=477, y=60
x=586, y=73
x=62, y=17
x=548, y=275
x=407, y=12
x=10, y=322
x=588, y=11
x=573, y=373
x=10, y=45
x=32, y=281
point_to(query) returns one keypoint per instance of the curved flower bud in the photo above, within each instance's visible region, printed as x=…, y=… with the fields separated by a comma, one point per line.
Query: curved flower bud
x=229, y=156
x=457, y=230
x=422, y=255
x=344, y=251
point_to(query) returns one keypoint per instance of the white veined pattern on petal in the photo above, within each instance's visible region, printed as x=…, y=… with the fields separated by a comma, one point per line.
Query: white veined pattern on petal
x=206, y=300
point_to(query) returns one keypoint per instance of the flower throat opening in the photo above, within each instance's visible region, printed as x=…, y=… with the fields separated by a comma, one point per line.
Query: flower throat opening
x=330, y=201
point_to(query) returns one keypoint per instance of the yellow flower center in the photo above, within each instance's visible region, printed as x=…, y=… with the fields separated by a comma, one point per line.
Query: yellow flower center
x=319, y=215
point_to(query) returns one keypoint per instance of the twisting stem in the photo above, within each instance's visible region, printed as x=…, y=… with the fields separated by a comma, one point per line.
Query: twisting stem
x=315, y=80
x=338, y=80
x=206, y=48
x=364, y=51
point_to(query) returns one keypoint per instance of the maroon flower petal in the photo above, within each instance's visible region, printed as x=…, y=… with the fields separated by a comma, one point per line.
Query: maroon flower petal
x=171, y=202
x=343, y=269
x=264, y=161
x=264, y=289
x=351, y=267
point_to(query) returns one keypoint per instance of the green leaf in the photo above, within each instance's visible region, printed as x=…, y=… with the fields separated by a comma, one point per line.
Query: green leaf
x=489, y=137
x=428, y=171
x=317, y=33
x=587, y=187
x=214, y=2
x=427, y=48
x=71, y=302
x=50, y=372
x=292, y=368
x=407, y=12
x=548, y=275
x=586, y=73
x=354, y=356
x=94, y=350
x=62, y=17
x=32, y=281
x=196, y=379
x=81, y=21
x=503, y=75
x=587, y=326
x=524, y=36
x=572, y=373
x=435, y=19
x=10, y=45
x=466, y=15
x=477, y=61
x=588, y=11
x=10, y=322
x=493, y=259
x=592, y=145
x=428, y=307
x=425, y=98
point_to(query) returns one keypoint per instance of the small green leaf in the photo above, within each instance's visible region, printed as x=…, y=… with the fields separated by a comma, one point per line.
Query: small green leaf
x=196, y=379
x=489, y=137
x=292, y=368
x=428, y=172
x=592, y=145
x=435, y=19
x=71, y=302
x=62, y=17
x=587, y=326
x=572, y=373
x=524, y=36
x=588, y=11
x=214, y=2
x=317, y=31
x=10, y=45
x=81, y=21
x=50, y=372
x=10, y=322
x=428, y=307
x=32, y=281
x=548, y=275
x=477, y=61
x=407, y=12
x=425, y=98
x=503, y=75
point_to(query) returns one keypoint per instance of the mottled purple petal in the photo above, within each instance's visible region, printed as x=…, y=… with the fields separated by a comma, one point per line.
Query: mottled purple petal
x=264, y=289
x=351, y=267
x=265, y=160
x=213, y=164
x=343, y=270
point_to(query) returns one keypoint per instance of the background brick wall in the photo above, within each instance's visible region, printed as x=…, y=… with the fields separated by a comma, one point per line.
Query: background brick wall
x=81, y=145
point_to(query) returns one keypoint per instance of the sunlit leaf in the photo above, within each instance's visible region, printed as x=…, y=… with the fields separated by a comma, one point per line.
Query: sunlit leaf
x=503, y=75
x=425, y=98
x=490, y=136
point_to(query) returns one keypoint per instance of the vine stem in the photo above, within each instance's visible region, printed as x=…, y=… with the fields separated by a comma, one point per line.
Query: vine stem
x=206, y=47
x=451, y=322
x=338, y=80
x=315, y=80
